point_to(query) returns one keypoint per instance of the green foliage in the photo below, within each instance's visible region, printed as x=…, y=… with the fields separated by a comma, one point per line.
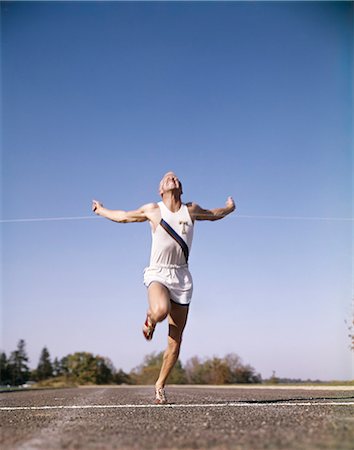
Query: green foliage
x=45, y=367
x=216, y=371
x=120, y=377
x=225, y=370
x=178, y=374
x=211, y=371
x=148, y=371
x=5, y=372
x=57, y=369
x=17, y=365
x=195, y=371
x=85, y=368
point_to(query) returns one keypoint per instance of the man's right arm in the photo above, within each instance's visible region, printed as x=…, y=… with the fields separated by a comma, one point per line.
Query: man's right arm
x=139, y=215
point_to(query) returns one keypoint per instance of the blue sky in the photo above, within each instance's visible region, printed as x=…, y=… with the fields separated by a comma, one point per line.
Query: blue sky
x=248, y=99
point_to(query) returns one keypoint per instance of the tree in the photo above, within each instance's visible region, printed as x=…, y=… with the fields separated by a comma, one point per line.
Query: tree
x=18, y=364
x=57, y=369
x=217, y=371
x=148, y=371
x=5, y=374
x=240, y=373
x=84, y=367
x=44, y=368
x=195, y=371
x=178, y=374
x=227, y=370
x=105, y=370
x=120, y=377
x=209, y=371
x=63, y=365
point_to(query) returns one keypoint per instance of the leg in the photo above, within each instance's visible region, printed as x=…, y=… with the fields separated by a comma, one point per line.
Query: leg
x=177, y=321
x=159, y=302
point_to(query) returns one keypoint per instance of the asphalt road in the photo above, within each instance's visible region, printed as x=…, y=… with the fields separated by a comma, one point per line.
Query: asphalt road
x=196, y=418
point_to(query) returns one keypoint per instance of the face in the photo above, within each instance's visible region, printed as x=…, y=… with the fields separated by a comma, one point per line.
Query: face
x=170, y=182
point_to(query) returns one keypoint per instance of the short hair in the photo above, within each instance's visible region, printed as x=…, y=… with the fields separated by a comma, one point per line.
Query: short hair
x=160, y=185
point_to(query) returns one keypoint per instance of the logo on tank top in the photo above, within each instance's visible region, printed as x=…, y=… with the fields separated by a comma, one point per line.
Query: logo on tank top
x=184, y=224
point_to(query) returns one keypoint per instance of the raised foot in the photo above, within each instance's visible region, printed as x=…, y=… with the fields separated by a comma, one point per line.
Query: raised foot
x=148, y=329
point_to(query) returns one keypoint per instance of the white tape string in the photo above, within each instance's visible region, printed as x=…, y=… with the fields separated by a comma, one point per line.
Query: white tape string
x=340, y=219
x=49, y=219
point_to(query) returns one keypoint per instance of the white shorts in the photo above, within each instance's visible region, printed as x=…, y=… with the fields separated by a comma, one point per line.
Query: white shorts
x=177, y=279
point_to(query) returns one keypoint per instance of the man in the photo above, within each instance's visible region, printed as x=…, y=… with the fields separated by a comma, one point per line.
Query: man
x=168, y=280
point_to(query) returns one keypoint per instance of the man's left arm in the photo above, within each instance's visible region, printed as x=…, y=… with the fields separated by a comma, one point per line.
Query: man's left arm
x=198, y=213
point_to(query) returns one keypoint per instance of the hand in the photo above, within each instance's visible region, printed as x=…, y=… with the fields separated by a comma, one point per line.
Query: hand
x=96, y=206
x=230, y=204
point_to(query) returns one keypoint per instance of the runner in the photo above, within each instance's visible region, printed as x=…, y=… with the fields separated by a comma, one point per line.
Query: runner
x=168, y=280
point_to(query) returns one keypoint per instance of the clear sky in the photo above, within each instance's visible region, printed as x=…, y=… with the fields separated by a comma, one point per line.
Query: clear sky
x=248, y=99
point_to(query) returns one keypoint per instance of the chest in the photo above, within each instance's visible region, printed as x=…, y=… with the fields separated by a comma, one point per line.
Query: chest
x=180, y=221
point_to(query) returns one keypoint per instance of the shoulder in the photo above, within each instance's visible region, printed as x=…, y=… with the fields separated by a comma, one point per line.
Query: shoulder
x=193, y=209
x=150, y=207
x=152, y=212
x=192, y=206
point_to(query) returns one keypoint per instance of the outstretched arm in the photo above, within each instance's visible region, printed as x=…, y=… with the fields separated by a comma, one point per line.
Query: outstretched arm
x=138, y=215
x=198, y=213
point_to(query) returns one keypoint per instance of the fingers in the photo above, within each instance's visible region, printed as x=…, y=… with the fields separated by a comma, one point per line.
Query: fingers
x=95, y=205
x=230, y=202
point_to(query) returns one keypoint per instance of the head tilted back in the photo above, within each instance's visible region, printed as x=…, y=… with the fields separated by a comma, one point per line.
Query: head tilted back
x=162, y=181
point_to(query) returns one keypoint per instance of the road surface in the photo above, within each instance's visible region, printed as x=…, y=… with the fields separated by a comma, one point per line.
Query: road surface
x=219, y=418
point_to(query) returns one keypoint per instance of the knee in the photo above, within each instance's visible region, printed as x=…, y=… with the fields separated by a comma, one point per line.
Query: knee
x=174, y=347
x=158, y=313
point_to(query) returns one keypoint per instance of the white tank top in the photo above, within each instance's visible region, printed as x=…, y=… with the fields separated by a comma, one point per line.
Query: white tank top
x=165, y=251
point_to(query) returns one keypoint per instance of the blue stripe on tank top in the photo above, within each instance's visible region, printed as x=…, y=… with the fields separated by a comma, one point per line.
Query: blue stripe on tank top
x=176, y=237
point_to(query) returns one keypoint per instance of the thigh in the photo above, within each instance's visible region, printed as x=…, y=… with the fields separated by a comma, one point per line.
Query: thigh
x=177, y=320
x=159, y=297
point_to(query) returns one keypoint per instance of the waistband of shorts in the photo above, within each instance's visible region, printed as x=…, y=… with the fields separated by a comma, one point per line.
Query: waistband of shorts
x=168, y=266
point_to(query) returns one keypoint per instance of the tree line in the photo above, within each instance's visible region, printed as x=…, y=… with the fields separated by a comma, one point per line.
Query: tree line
x=86, y=368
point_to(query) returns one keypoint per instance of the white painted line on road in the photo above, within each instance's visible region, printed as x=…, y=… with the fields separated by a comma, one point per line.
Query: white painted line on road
x=191, y=405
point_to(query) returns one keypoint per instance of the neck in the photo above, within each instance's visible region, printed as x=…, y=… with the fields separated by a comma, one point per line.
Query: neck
x=172, y=199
